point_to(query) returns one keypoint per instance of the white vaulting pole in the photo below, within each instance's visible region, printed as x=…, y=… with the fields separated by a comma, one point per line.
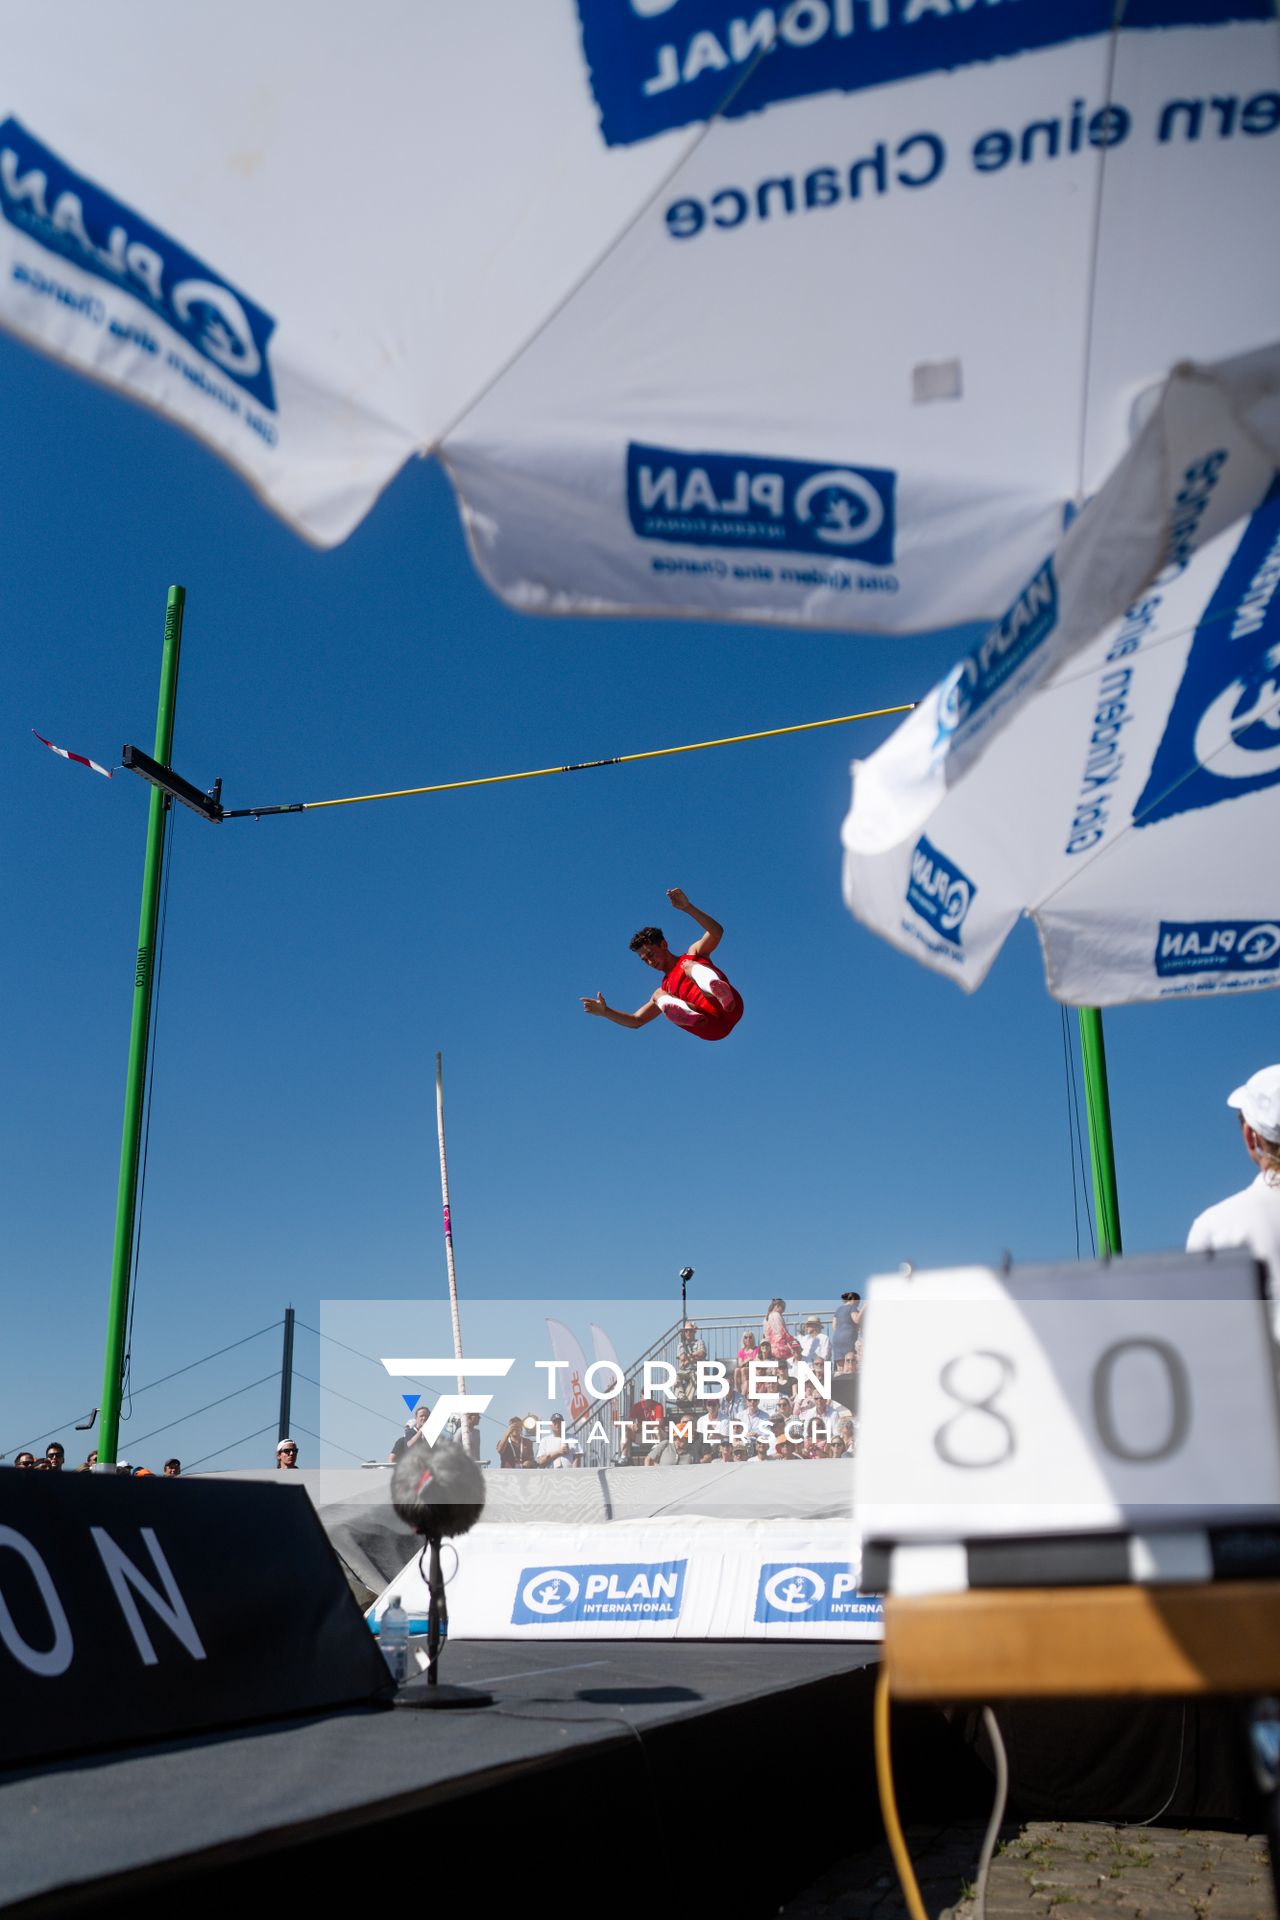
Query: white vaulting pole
x=448, y=1226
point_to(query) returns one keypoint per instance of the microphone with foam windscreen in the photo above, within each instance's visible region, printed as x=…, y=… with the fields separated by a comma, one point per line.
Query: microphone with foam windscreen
x=439, y=1492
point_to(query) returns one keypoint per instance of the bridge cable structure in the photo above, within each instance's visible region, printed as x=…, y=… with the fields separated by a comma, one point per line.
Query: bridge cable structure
x=136, y=1440
x=163, y=1380
x=192, y=1413
x=217, y=1453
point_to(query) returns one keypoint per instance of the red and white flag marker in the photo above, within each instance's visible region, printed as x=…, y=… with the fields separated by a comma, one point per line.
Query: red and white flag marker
x=67, y=754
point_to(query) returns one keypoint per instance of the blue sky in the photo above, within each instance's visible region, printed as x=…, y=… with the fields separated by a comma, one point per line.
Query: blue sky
x=863, y=1113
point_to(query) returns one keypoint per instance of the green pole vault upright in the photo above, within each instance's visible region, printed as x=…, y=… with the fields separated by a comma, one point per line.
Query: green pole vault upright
x=139, y=1035
x=1106, y=1200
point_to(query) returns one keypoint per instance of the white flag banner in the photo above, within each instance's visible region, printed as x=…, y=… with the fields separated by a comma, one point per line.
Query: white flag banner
x=571, y=1370
x=818, y=312
x=1124, y=789
x=606, y=1355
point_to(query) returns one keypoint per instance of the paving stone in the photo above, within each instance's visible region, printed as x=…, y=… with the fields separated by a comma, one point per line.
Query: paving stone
x=1149, y=1880
x=1073, y=1910
x=1057, y=1870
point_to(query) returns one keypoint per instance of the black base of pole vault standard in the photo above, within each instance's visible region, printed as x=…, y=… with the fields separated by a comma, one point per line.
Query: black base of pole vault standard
x=421, y=1693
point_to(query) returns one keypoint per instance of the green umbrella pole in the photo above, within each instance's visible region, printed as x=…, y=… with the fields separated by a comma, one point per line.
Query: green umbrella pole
x=1106, y=1200
x=139, y=1035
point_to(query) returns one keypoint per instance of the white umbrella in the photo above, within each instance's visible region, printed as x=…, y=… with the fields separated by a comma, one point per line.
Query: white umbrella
x=817, y=312
x=821, y=312
x=1127, y=792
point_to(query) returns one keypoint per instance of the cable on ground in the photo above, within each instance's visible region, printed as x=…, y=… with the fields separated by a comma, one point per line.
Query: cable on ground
x=888, y=1801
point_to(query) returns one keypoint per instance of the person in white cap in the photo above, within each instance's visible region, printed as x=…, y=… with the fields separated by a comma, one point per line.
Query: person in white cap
x=1251, y=1218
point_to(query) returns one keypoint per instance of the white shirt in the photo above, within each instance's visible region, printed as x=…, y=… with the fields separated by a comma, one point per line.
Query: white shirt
x=552, y=1443
x=1250, y=1219
x=815, y=1348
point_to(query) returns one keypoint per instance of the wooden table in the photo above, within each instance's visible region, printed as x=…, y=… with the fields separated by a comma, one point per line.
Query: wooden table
x=1045, y=1643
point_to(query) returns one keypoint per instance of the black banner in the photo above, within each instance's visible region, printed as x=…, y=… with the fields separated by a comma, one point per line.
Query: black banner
x=137, y=1608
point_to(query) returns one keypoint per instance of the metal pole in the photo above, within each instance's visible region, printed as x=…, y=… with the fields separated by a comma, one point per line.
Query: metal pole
x=1106, y=1199
x=286, y=1375
x=448, y=1225
x=139, y=1035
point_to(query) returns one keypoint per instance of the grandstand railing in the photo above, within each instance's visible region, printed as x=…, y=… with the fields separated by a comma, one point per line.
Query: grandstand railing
x=721, y=1334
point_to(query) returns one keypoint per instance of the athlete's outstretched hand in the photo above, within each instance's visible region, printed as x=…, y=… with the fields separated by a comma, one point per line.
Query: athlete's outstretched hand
x=598, y=1005
x=678, y=898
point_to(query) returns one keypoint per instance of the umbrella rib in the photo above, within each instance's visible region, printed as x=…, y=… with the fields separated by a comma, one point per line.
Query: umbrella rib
x=1091, y=293
x=578, y=766
x=633, y=220
x=1149, y=646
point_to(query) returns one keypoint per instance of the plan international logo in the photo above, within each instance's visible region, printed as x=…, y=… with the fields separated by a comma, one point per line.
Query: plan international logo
x=747, y=500
x=1222, y=737
x=656, y=64
x=69, y=216
x=820, y=1590
x=998, y=658
x=644, y=1590
x=938, y=891
x=1217, y=946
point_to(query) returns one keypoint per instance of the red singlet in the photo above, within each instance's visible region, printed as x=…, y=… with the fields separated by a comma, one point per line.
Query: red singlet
x=698, y=997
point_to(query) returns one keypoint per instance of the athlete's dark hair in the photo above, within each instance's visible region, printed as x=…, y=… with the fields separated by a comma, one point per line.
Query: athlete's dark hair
x=648, y=937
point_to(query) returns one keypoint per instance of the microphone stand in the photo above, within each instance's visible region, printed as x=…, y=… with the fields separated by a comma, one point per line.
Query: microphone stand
x=437, y=1612
x=425, y=1690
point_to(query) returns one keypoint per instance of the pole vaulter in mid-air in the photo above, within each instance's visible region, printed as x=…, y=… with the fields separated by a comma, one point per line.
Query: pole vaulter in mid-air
x=693, y=993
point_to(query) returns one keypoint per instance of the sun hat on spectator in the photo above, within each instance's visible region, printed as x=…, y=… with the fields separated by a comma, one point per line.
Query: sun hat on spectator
x=1259, y=1101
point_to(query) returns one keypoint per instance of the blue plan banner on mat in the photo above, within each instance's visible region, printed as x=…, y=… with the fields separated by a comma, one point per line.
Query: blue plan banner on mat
x=683, y=1579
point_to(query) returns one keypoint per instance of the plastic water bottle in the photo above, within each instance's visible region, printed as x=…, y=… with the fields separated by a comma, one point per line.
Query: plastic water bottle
x=393, y=1638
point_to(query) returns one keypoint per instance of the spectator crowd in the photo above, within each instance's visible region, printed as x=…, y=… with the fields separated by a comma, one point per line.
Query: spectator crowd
x=54, y=1460
x=768, y=1409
